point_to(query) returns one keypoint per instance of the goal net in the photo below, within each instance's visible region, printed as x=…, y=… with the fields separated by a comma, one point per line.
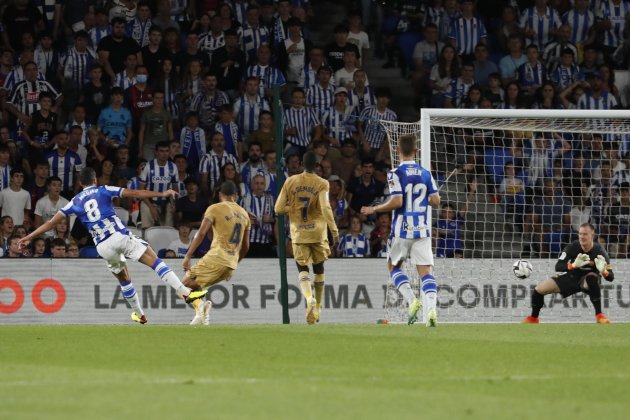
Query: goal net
x=517, y=184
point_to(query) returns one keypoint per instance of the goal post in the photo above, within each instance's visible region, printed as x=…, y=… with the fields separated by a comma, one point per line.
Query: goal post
x=516, y=184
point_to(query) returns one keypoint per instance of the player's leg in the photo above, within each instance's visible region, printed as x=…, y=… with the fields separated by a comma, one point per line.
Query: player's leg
x=545, y=287
x=318, y=284
x=398, y=252
x=590, y=284
x=200, y=277
x=421, y=256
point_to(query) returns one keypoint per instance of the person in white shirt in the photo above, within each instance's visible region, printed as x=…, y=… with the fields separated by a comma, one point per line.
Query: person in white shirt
x=47, y=206
x=181, y=244
x=15, y=201
x=358, y=37
x=344, y=76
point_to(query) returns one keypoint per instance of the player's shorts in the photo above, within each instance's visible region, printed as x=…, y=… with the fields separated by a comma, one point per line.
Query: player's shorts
x=206, y=272
x=307, y=254
x=571, y=283
x=118, y=247
x=418, y=251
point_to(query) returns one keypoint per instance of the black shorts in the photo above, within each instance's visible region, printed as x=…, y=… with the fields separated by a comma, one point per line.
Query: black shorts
x=570, y=283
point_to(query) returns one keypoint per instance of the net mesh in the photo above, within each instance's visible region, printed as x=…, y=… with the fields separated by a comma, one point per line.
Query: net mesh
x=515, y=188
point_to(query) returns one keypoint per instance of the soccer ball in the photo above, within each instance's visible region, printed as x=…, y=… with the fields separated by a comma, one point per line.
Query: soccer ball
x=522, y=269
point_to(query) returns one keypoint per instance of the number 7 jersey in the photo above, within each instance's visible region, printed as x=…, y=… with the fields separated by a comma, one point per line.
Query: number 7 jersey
x=415, y=184
x=93, y=207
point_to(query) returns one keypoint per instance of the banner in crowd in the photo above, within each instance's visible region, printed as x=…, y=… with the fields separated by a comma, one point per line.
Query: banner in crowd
x=69, y=291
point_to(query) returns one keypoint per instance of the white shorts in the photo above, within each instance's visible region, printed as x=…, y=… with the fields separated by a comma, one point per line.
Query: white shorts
x=417, y=250
x=118, y=247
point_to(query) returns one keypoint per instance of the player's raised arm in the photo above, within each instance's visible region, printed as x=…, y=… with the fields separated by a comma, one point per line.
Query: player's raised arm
x=206, y=224
x=142, y=194
x=58, y=217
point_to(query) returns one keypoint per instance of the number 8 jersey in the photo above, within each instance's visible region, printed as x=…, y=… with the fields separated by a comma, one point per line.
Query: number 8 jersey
x=415, y=184
x=93, y=207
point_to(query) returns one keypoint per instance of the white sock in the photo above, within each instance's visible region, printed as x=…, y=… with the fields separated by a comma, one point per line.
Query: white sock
x=170, y=278
x=431, y=298
x=130, y=295
x=405, y=290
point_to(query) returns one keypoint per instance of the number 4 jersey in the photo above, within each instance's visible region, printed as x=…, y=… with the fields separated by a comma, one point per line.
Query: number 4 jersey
x=415, y=184
x=229, y=224
x=93, y=207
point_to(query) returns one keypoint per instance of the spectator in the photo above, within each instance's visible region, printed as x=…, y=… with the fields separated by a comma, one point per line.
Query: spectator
x=214, y=39
x=546, y=97
x=229, y=172
x=581, y=21
x=611, y=22
x=156, y=126
x=597, y=97
x=114, y=49
x=601, y=193
x=47, y=206
x=165, y=11
x=451, y=13
x=458, y=89
x=19, y=17
x=280, y=29
x=15, y=201
x=425, y=56
x=5, y=167
x=190, y=208
x=249, y=106
x=127, y=77
x=472, y=100
x=95, y=94
x=618, y=222
x=483, y=67
x=123, y=170
x=340, y=119
x=211, y=164
x=320, y=95
x=335, y=51
x=228, y=63
x=608, y=81
x=17, y=74
x=344, y=166
x=24, y=100
x=182, y=243
x=230, y=131
x=361, y=96
x=61, y=231
x=379, y=237
x=13, y=248
x=74, y=143
x=191, y=52
x=467, y=31
x=58, y=248
x=508, y=27
x=208, y=101
x=39, y=130
x=72, y=250
x=354, y=243
x=78, y=119
x=47, y=58
x=357, y=36
x=265, y=133
x=547, y=220
x=64, y=163
x=259, y=206
x=115, y=121
x=252, y=35
x=371, y=131
x=76, y=65
x=363, y=190
x=590, y=61
x=512, y=193
x=101, y=30
x=105, y=175
x=532, y=74
x=540, y=23
x=446, y=69
x=308, y=75
x=266, y=73
x=345, y=75
x=513, y=97
x=567, y=72
x=510, y=63
x=337, y=200
x=301, y=124
x=38, y=248
x=154, y=53
x=140, y=25
x=254, y=164
x=159, y=174
x=553, y=51
x=448, y=229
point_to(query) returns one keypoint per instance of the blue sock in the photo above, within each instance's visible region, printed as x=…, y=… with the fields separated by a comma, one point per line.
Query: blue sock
x=130, y=295
x=401, y=281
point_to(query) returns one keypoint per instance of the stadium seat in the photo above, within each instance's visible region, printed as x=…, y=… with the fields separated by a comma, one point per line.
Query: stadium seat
x=88, y=252
x=123, y=214
x=135, y=231
x=159, y=237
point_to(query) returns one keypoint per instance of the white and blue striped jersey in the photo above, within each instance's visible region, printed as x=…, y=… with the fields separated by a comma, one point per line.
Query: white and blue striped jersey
x=248, y=171
x=304, y=120
x=467, y=33
x=267, y=75
x=606, y=100
x=362, y=101
x=231, y=134
x=211, y=164
x=193, y=144
x=340, y=124
x=5, y=176
x=123, y=80
x=47, y=61
x=529, y=75
x=65, y=167
x=252, y=38
x=239, y=10
x=93, y=207
x=259, y=205
x=85, y=126
x=616, y=14
x=246, y=112
x=159, y=178
x=565, y=76
x=552, y=54
x=415, y=184
x=541, y=24
x=458, y=91
x=580, y=24
x=77, y=65
x=208, y=107
x=373, y=130
x=96, y=35
x=320, y=98
x=47, y=9
x=354, y=246
x=433, y=15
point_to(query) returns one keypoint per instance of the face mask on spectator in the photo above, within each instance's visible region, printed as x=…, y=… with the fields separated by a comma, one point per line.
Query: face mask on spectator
x=142, y=78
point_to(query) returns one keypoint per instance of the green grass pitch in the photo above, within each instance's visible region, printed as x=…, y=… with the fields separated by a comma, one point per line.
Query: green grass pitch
x=315, y=372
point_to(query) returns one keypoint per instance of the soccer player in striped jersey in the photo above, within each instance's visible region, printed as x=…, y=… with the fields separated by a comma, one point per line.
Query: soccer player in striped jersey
x=93, y=207
x=211, y=164
x=597, y=97
x=320, y=96
x=304, y=197
x=252, y=35
x=611, y=21
x=247, y=108
x=64, y=163
x=540, y=23
x=301, y=124
x=230, y=242
x=581, y=20
x=24, y=99
x=467, y=31
x=370, y=129
x=259, y=206
x=159, y=174
x=412, y=190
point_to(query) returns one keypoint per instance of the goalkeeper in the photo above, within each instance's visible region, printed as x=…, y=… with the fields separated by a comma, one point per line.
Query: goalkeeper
x=581, y=266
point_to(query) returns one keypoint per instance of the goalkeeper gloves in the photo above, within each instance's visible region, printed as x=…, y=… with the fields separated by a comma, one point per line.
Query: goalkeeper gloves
x=580, y=261
x=602, y=265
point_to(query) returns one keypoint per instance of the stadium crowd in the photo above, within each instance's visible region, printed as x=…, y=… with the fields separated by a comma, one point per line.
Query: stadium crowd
x=162, y=93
